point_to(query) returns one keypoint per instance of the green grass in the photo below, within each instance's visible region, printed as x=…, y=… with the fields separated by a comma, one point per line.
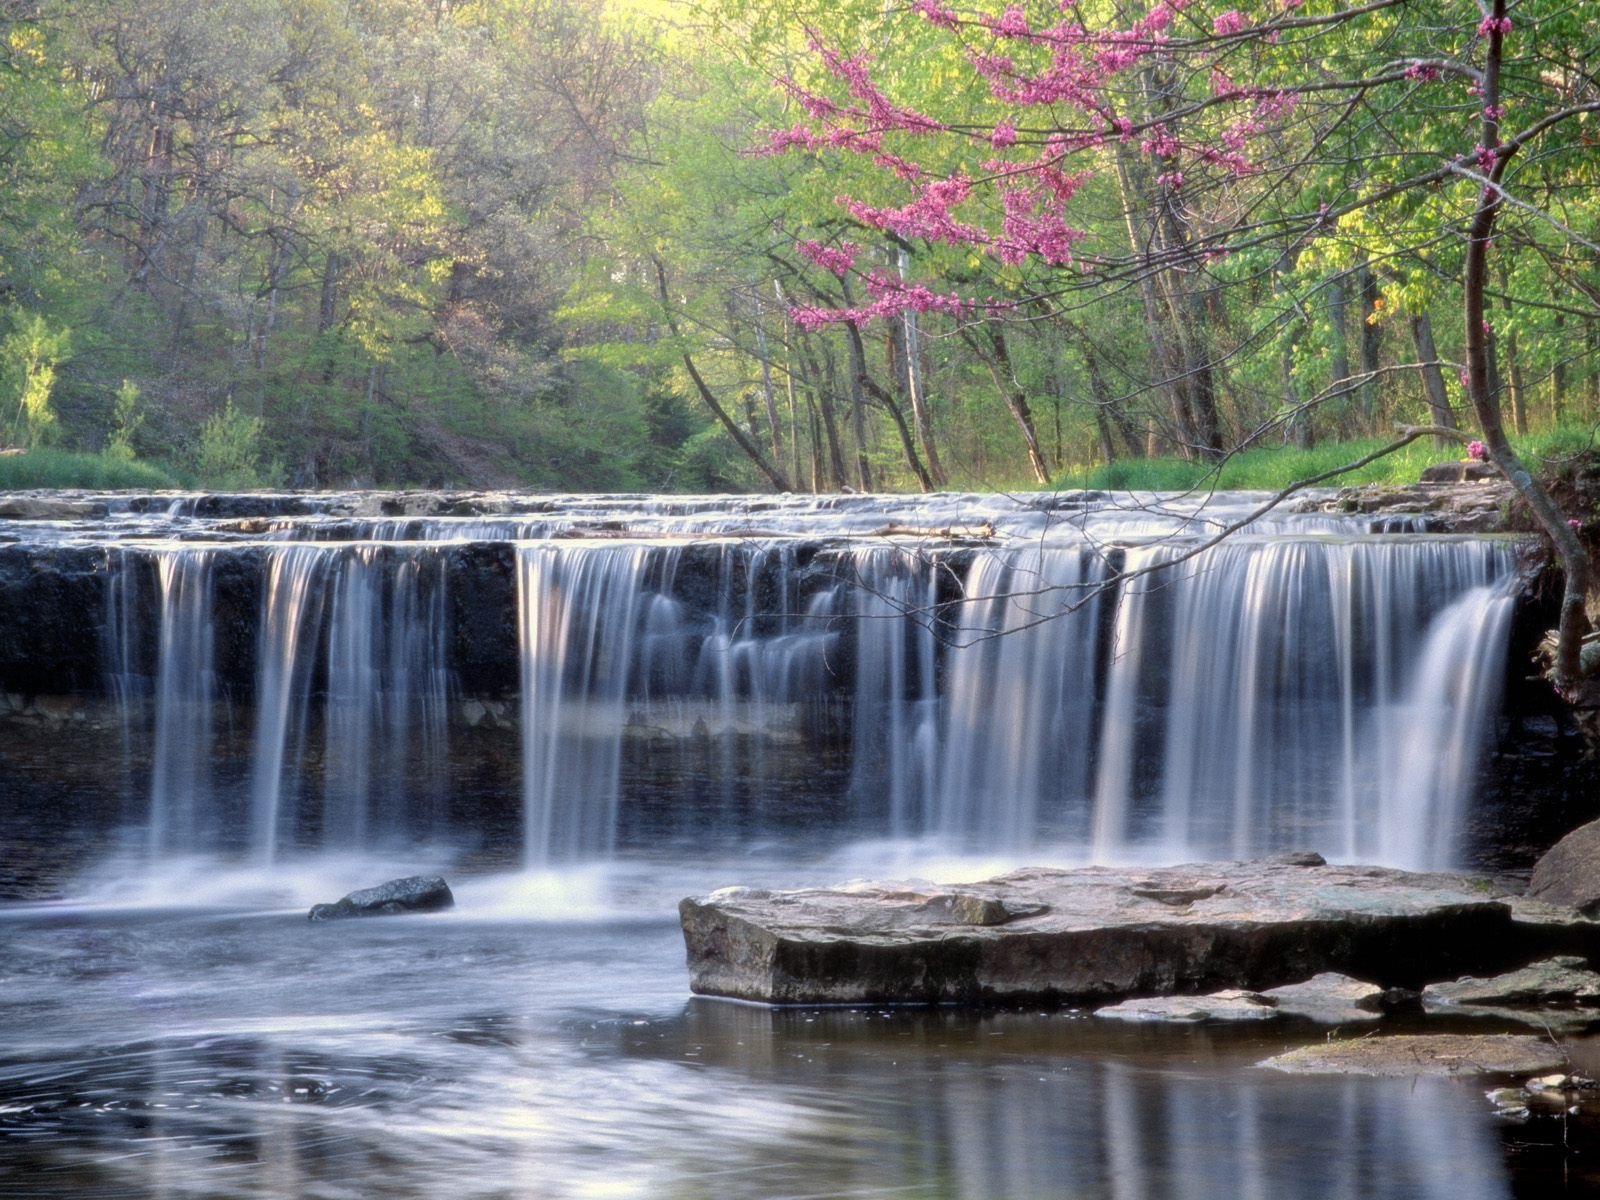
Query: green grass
x=48, y=468
x=1272, y=468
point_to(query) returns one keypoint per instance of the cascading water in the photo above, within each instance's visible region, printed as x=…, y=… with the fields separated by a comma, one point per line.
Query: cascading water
x=1072, y=680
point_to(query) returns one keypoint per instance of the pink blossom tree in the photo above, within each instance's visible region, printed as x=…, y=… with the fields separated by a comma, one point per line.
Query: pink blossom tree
x=1226, y=134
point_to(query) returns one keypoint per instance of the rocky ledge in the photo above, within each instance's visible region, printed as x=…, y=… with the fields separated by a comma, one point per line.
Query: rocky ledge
x=1097, y=935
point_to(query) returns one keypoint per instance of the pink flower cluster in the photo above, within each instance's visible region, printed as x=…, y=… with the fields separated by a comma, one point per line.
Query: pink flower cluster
x=1231, y=21
x=935, y=13
x=1490, y=25
x=890, y=298
x=838, y=259
x=1422, y=71
x=1477, y=451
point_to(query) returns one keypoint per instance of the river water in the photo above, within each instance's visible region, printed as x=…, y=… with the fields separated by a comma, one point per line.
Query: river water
x=539, y=1042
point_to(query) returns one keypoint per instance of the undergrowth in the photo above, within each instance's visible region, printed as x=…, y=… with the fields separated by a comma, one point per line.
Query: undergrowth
x=1273, y=468
x=50, y=468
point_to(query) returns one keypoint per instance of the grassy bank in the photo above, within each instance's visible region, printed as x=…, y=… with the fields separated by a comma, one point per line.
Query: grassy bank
x=48, y=468
x=1272, y=468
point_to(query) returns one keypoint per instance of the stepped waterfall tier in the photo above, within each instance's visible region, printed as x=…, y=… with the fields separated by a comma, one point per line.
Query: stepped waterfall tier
x=558, y=680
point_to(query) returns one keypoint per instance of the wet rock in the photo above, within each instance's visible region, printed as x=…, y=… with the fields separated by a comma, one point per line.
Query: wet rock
x=1423, y=1054
x=415, y=893
x=1569, y=873
x=1096, y=935
x=1510, y=1103
x=1298, y=858
x=1231, y=1005
x=1330, y=999
x=1565, y=982
x=49, y=508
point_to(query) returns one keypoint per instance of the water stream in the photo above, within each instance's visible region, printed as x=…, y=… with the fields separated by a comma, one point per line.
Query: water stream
x=584, y=708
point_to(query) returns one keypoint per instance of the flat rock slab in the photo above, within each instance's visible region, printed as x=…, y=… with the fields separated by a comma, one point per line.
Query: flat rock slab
x=1095, y=935
x=1424, y=1054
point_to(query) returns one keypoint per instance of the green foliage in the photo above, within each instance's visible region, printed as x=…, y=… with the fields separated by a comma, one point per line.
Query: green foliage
x=29, y=358
x=230, y=454
x=48, y=467
x=126, y=420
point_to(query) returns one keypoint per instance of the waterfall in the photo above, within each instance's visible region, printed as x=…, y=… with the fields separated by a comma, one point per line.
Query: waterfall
x=1084, y=689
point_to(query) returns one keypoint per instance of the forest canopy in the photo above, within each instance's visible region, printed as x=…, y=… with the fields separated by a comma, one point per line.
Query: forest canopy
x=785, y=244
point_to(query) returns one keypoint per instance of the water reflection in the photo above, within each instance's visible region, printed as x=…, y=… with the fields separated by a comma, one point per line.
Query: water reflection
x=159, y=1055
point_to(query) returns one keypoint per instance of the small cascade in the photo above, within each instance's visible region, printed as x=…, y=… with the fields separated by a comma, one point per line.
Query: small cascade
x=1021, y=699
x=896, y=617
x=183, y=817
x=386, y=713
x=581, y=608
x=291, y=615
x=1252, y=693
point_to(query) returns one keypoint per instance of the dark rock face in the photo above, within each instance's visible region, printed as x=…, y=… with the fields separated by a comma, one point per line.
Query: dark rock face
x=415, y=893
x=1570, y=872
x=1100, y=935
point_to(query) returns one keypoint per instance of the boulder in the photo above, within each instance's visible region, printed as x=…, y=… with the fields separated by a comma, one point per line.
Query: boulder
x=1331, y=999
x=1424, y=1054
x=1095, y=935
x=415, y=893
x=1569, y=873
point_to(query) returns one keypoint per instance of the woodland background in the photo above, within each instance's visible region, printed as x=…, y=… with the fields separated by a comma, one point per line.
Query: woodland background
x=326, y=243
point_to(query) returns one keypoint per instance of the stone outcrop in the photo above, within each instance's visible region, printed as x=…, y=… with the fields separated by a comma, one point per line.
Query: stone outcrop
x=1099, y=935
x=1569, y=873
x=1447, y=506
x=1559, y=981
x=1466, y=470
x=414, y=894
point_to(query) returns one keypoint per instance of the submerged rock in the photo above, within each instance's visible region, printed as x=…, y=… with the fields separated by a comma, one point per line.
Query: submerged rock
x=1423, y=1054
x=1225, y=1006
x=1096, y=934
x=415, y=893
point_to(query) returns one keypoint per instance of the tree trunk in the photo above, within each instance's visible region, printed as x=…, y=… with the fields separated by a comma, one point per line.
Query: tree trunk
x=1433, y=387
x=1339, y=349
x=998, y=361
x=1371, y=351
x=920, y=415
x=1567, y=669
